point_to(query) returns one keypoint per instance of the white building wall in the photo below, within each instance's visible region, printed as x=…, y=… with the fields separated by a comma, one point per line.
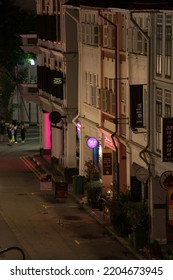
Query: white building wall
x=57, y=141
x=109, y=68
x=138, y=70
x=89, y=63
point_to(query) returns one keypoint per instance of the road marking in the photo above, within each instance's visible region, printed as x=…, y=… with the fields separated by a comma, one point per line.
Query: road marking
x=49, y=206
x=79, y=242
x=31, y=167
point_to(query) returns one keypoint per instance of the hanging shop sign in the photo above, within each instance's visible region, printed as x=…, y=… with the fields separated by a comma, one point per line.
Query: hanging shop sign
x=167, y=139
x=170, y=207
x=108, y=140
x=136, y=106
x=92, y=142
x=166, y=180
x=142, y=174
x=55, y=117
x=61, y=190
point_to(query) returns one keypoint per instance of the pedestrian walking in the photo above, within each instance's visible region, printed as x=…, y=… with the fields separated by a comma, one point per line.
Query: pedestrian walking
x=15, y=130
x=22, y=131
x=10, y=134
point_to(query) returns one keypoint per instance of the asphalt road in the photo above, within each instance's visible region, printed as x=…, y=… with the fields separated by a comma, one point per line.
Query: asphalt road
x=34, y=221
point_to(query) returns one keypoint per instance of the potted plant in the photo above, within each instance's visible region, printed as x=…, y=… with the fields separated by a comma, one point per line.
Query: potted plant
x=91, y=171
x=94, y=191
x=137, y=214
x=118, y=214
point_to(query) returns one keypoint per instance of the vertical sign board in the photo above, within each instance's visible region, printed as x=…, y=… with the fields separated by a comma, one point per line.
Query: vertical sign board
x=61, y=190
x=167, y=139
x=170, y=207
x=136, y=106
x=107, y=163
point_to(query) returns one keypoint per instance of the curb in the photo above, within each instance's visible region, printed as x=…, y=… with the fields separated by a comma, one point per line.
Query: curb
x=109, y=229
x=101, y=222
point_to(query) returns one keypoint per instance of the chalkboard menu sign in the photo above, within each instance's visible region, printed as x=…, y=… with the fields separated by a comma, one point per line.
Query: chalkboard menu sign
x=107, y=163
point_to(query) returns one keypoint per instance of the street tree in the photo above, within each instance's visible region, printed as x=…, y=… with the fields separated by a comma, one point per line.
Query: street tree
x=13, y=22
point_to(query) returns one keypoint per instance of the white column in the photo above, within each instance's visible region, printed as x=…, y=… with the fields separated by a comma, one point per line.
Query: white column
x=57, y=141
x=157, y=203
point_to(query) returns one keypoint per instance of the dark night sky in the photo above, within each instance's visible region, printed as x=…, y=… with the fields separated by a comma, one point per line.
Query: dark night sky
x=26, y=4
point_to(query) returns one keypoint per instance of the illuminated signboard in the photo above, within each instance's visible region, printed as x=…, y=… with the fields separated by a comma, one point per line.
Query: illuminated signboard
x=92, y=142
x=167, y=139
x=57, y=81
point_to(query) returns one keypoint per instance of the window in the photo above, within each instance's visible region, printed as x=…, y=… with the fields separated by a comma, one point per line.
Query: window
x=109, y=36
x=159, y=32
x=168, y=46
x=108, y=96
x=137, y=42
x=92, y=96
x=100, y=98
x=158, y=118
x=167, y=113
x=89, y=34
x=163, y=109
x=89, y=29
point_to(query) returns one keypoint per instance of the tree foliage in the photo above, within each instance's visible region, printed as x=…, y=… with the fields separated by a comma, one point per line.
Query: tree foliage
x=13, y=22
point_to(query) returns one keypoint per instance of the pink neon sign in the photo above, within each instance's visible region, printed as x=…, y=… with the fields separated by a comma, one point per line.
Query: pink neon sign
x=47, y=132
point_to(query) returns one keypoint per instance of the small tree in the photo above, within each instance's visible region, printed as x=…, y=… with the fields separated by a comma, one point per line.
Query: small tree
x=91, y=171
x=14, y=22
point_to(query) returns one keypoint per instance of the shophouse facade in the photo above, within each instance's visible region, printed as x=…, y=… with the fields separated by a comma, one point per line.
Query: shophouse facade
x=100, y=67
x=161, y=123
x=120, y=104
x=99, y=50
x=57, y=82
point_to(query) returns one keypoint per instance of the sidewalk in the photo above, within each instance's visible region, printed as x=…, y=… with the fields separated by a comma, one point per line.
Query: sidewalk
x=98, y=215
x=95, y=213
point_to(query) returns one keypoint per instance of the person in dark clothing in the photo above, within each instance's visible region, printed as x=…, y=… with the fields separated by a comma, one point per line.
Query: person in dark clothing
x=15, y=130
x=2, y=129
x=23, y=131
x=10, y=133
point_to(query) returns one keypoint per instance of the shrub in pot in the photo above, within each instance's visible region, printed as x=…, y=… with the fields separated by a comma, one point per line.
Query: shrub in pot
x=94, y=191
x=118, y=214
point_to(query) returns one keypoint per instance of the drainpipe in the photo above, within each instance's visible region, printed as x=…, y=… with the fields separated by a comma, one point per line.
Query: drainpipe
x=145, y=150
x=115, y=184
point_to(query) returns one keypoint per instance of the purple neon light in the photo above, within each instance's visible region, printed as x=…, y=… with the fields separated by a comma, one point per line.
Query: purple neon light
x=47, y=131
x=92, y=142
